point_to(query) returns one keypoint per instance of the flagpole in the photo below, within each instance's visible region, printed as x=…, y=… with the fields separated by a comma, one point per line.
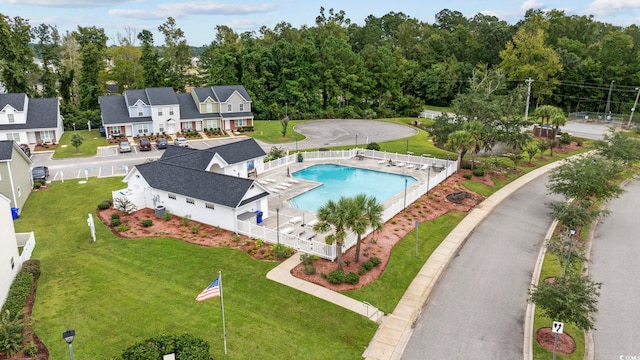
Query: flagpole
x=224, y=328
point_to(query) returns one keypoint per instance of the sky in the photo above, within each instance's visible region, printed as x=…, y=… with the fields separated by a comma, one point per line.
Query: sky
x=198, y=18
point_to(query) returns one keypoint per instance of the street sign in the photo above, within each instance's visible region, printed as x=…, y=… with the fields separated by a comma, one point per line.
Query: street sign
x=557, y=327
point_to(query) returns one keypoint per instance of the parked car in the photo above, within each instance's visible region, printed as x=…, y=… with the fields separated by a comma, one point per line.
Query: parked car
x=124, y=147
x=144, y=144
x=40, y=173
x=161, y=143
x=180, y=142
x=26, y=149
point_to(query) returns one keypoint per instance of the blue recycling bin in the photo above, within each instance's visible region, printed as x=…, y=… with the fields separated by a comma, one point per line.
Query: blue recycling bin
x=14, y=213
x=259, y=217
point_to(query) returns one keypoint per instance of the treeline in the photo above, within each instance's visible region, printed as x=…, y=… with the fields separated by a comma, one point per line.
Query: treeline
x=391, y=66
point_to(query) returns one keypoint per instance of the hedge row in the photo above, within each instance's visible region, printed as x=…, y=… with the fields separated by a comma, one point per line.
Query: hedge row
x=185, y=347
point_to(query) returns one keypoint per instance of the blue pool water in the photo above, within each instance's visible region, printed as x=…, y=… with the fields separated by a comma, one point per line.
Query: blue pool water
x=340, y=181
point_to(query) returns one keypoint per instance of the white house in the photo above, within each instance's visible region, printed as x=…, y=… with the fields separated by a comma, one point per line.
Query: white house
x=30, y=121
x=10, y=257
x=213, y=186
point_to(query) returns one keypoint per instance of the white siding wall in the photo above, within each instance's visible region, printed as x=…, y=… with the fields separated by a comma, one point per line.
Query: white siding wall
x=8, y=250
x=19, y=117
x=133, y=111
x=218, y=216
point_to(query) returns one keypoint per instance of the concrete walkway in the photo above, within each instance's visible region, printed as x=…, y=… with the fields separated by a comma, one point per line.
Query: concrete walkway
x=282, y=274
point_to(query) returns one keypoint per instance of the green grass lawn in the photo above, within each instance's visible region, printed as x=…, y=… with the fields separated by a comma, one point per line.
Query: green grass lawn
x=116, y=292
x=89, y=147
x=404, y=265
x=270, y=131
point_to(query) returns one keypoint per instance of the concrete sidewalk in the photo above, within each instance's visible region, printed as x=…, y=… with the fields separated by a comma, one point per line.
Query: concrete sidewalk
x=282, y=274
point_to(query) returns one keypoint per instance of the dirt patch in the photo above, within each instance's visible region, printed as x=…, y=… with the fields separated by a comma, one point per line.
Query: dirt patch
x=565, y=345
x=380, y=243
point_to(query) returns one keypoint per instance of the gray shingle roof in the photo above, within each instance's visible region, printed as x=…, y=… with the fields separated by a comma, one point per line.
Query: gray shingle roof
x=162, y=96
x=6, y=149
x=41, y=114
x=114, y=111
x=17, y=101
x=134, y=95
x=203, y=93
x=189, y=110
x=198, y=184
x=232, y=153
x=223, y=92
x=231, y=115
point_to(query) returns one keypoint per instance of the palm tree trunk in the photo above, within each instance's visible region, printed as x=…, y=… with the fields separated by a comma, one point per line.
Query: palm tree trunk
x=357, y=259
x=339, y=255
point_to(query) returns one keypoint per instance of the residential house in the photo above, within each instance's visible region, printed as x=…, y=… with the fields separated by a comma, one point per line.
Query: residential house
x=212, y=186
x=162, y=110
x=30, y=120
x=11, y=258
x=15, y=174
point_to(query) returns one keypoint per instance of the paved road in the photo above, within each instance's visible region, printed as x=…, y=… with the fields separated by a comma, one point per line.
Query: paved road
x=477, y=310
x=615, y=264
x=109, y=162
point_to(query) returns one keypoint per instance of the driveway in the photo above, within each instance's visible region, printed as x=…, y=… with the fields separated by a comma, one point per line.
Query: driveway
x=477, y=309
x=615, y=264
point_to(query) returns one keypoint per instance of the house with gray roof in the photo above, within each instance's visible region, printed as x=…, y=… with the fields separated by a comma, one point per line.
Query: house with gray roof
x=30, y=120
x=215, y=186
x=162, y=110
x=15, y=174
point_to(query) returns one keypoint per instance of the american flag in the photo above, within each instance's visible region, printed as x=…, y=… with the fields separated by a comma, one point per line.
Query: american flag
x=211, y=291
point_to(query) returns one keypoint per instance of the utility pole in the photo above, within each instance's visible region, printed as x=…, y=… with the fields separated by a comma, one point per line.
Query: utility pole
x=526, y=110
x=633, y=109
x=607, y=109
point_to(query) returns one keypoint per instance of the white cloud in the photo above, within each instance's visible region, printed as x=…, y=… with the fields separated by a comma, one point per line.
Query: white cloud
x=177, y=10
x=606, y=7
x=531, y=4
x=63, y=3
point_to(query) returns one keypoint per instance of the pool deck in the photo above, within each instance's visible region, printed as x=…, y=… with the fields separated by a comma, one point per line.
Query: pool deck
x=298, y=219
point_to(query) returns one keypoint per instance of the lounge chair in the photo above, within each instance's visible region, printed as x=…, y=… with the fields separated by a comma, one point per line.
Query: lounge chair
x=312, y=223
x=285, y=184
x=263, y=182
x=269, y=180
x=400, y=164
x=272, y=190
x=295, y=220
x=294, y=181
x=424, y=167
x=287, y=230
x=382, y=161
x=280, y=187
x=410, y=166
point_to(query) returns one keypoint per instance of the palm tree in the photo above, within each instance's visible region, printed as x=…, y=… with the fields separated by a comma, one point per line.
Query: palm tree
x=336, y=216
x=460, y=141
x=477, y=132
x=368, y=214
x=551, y=115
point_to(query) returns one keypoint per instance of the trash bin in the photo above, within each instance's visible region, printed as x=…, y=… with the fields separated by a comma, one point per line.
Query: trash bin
x=160, y=211
x=259, y=217
x=15, y=213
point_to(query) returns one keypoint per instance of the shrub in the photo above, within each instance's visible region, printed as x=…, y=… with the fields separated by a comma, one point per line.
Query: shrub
x=368, y=265
x=115, y=221
x=185, y=220
x=12, y=335
x=565, y=138
x=373, y=146
x=115, y=216
x=32, y=267
x=125, y=205
x=195, y=229
x=185, y=346
x=282, y=251
x=375, y=260
x=309, y=269
x=579, y=141
x=167, y=215
x=352, y=278
x=31, y=349
x=336, y=277
x=122, y=227
x=478, y=172
x=104, y=205
x=19, y=293
x=467, y=176
x=38, y=183
x=465, y=165
x=147, y=222
x=308, y=259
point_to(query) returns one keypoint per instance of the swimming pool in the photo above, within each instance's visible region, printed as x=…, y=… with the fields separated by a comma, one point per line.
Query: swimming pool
x=338, y=180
